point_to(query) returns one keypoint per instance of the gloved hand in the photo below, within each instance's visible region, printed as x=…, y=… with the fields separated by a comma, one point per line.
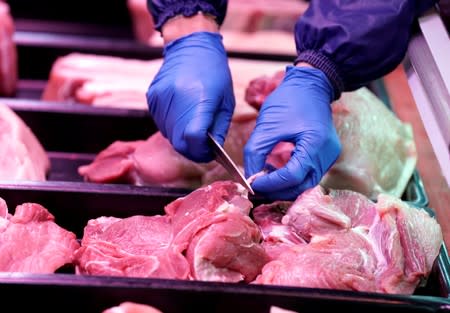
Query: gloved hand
x=193, y=94
x=297, y=111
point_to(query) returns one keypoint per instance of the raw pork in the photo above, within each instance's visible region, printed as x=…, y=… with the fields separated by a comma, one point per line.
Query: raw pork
x=221, y=240
x=8, y=53
x=22, y=155
x=378, y=150
x=355, y=244
x=132, y=307
x=108, y=81
x=31, y=241
x=137, y=246
x=188, y=242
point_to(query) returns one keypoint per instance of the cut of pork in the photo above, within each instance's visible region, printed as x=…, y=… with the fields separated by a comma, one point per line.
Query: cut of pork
x=137, y=246
x=132, y=307
x=214, y=219
x=201, y=226
x=31, y=241
x=8, y=53
x=22, y=155
x=354, y=244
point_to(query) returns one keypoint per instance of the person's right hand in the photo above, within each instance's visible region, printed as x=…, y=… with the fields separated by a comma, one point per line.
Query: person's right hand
x=193, y=94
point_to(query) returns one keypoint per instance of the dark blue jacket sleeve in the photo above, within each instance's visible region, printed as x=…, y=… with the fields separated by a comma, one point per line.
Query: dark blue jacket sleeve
x=355, y=42
x=162, y=10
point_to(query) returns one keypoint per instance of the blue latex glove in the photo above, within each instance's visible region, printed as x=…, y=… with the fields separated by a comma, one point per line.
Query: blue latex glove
x=297, y=111
x=193, y=94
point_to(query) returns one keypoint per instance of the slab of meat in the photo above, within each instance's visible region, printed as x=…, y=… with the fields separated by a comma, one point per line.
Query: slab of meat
x=150, y=162
x=206, y=235
x=378, y=150
x=155, y=162
x=355, y=244
x=8, y=53
x=117, y=82
x=253, y=26
x=31, y=241
x=22, y=157
x=137, y=246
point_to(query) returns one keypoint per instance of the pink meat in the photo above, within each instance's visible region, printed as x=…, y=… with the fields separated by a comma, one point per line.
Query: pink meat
x=8, y=53
x=227, y=251
x=277, y=236
x=132, y=307
x=335, y=261
x=137, y=246
x=221, y=242
x=353, y=243
x=205, y=206
x=150, y=162
x=31, y=241
x=315, y=213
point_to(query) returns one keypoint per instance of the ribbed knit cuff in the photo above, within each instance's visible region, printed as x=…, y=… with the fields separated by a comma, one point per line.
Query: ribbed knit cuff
x=187, y=9
x=324, y=64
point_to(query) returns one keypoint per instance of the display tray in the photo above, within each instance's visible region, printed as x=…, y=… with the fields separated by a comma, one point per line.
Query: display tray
x=73, y=205
x=73, y=134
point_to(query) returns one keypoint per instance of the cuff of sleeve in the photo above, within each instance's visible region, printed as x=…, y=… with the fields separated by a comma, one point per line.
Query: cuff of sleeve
x=324, y=64
x=187, y=9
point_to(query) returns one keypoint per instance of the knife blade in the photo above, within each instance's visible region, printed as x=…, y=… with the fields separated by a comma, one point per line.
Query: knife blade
x=224, y=159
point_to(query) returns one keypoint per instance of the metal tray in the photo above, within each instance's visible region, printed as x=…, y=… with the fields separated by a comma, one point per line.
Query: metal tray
x=73, y=205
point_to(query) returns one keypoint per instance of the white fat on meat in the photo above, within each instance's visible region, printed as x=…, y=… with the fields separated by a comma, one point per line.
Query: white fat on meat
x=23, y=157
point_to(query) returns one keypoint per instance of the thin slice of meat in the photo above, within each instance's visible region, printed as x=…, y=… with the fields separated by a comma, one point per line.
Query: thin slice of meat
x=8, y=53
x=23, y=157
x=31, y=241
x=137, y=246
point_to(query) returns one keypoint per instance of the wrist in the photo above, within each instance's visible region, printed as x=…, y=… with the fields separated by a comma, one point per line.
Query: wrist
x=180, y=26
x=304, y=64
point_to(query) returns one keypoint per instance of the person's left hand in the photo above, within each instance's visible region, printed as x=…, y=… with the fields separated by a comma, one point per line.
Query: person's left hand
x=297, y=111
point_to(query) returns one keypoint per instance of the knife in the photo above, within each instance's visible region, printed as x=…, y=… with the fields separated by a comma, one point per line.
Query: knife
x=224, y=159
